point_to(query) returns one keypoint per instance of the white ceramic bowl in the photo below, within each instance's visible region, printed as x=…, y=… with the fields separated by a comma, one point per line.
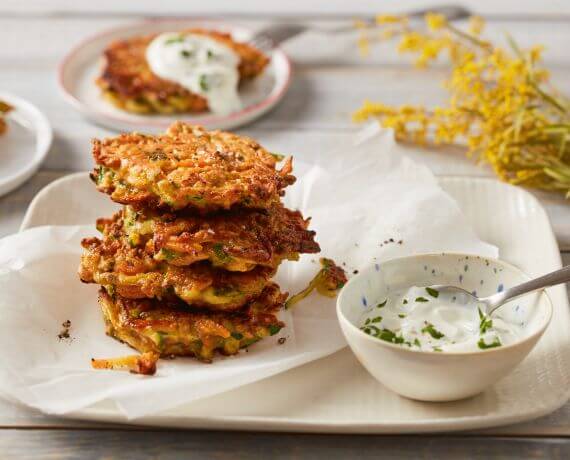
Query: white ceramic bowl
x=439, y=376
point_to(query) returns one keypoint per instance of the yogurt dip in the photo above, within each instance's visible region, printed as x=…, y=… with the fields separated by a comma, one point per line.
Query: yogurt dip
x=200, y=64
x=427, y=320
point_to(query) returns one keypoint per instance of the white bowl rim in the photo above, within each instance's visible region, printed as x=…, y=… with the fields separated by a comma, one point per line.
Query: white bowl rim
x=342, y=318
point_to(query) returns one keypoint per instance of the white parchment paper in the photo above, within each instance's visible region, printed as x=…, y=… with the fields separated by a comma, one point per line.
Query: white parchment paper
x=368, y=203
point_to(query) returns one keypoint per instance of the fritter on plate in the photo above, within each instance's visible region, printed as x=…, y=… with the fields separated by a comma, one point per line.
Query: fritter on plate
x=4, y=109
x=128, y=82
x=170, y=329
x=134, y=274
x=188, y=167
x=235, y=241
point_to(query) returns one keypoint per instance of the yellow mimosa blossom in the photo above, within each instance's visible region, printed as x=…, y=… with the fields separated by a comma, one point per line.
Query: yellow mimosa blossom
x=390, y=19
x=435, y=21
x=498, y=107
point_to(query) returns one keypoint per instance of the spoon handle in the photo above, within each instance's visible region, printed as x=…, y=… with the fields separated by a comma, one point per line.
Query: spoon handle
x=551, y=279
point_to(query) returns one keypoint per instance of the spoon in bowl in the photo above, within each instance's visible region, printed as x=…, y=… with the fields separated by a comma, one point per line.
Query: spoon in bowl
x=488, y=305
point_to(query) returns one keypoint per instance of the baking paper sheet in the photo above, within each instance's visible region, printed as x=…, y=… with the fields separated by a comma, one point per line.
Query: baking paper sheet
x=368, y=203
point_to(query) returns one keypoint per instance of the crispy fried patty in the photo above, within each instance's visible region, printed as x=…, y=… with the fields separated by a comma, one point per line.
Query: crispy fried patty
x=188, y=167
x=133, y=274
x=169, y=328
x=235, y=241
x=4, y=109
x=128, y=82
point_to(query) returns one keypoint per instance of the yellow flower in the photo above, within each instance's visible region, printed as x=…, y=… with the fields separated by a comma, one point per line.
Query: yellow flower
x=435, y=21
x=497, y=106
x=390, y=19
x=476, y=25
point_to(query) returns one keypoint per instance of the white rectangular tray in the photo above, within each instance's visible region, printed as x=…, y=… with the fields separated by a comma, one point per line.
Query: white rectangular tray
x=336, y=394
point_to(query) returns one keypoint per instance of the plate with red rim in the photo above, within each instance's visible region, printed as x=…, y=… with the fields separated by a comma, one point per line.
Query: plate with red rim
x=336, y=394
x=82, y=65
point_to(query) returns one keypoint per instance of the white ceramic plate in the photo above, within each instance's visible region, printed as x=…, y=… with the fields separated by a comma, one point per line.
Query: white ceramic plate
x=80, y=68
x=25, y=144
x=336, y=394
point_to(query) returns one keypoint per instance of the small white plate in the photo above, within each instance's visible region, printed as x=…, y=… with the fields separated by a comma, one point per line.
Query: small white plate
x=25, y=144
x=336, y=394
x=80, y=68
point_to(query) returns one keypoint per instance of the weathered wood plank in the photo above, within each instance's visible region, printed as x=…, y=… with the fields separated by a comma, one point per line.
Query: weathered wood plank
x=125, y=445
x=310, y=49
x=546, y=9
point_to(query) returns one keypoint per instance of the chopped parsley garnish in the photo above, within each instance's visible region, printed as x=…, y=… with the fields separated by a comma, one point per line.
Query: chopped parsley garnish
x=486, y=322
x=168, y=254
x=274, y=329
x=495, y=343
x=367, y=321
x=401, y=315
x=376, y=320
x=431, y=330
x=437, y=349
x=389, y=336
x=417, y=342
x=186, y=54
x=220, y=253
x=405, y=302
x=383, y=304
x=178, y=39
x=386, y=334
x=159, y=338
x=421, y=299
x=433, y=292
x=210, y=54
x=204, y=86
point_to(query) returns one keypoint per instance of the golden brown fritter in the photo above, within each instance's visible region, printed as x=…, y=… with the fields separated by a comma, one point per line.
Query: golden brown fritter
x=131, y=273
x=188, y=167
x=128, y=82
x=4, y=109
x=235, y=241
x=170, y=329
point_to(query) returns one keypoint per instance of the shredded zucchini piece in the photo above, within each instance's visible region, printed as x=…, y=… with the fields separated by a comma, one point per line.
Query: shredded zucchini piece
x=329, y=279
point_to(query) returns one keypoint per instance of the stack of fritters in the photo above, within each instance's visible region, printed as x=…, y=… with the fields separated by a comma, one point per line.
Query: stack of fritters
x=186, y=265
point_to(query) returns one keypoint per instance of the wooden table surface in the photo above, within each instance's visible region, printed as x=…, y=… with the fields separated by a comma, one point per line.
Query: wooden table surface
x=330, y=81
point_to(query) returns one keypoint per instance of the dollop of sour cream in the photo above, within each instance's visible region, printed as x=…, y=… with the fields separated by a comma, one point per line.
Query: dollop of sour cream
x=200, y=64
x=425, y=319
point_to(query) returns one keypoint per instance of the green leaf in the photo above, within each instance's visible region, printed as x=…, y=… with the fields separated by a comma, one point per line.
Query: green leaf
x=431, y=330
x=485, y=324
x=204, y=86
x=220, y=253
x=421, y=299
x=168, y=254
x=274, y=329
x=433, y=292
x=484, y=346
x=178, y=39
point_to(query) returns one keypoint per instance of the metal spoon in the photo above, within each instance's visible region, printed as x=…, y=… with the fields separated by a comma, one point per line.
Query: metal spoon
x=489, y=304
x=267, y=38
